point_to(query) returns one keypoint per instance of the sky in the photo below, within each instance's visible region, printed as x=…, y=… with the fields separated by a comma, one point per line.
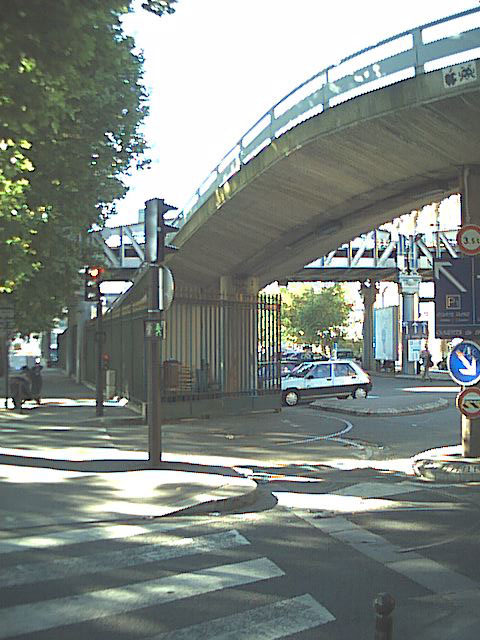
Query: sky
x=214, y=67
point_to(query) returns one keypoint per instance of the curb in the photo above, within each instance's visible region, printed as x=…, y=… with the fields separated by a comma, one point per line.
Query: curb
x=445, y=471
x=438, y=405
x=234, y=503
x=446, y=465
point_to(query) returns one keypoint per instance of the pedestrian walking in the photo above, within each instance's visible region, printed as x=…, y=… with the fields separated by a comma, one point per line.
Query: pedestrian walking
x=427, y=362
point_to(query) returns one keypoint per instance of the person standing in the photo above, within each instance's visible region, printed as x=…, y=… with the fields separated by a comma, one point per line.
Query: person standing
x=427, y=362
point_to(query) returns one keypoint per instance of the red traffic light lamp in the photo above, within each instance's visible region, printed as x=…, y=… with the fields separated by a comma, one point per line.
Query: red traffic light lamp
x=93, y=277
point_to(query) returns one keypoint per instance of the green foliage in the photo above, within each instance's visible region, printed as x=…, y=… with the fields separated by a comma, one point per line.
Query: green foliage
x=159, y=7
x=71, y=103
x=315, y=318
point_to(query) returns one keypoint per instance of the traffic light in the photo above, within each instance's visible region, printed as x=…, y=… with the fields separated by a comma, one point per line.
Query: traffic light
x=156, y=230
x=163, y=229
x=93, y=277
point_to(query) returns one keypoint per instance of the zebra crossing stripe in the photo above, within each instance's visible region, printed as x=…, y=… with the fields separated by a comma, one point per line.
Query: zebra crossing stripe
x=48, y=614
x=428, y=573
x=168, y=547
x=91, y=534
x=273, y=621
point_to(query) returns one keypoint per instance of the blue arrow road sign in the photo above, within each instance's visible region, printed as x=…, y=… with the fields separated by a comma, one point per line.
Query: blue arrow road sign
x=464, y=363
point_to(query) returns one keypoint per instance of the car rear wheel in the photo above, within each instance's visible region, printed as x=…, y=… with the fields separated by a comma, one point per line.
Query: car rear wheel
x=359, y=393
x=291, y=397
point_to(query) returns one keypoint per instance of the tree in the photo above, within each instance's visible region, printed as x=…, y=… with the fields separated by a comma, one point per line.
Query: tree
x=316, y=318
x=71, y=104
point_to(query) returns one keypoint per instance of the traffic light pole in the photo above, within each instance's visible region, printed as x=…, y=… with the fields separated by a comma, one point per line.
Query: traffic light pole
x=99, y=371
x=155, y=250
x=154, y=412
x=6, y=366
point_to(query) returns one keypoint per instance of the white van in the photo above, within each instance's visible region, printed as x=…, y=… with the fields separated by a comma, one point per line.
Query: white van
x=337, y=378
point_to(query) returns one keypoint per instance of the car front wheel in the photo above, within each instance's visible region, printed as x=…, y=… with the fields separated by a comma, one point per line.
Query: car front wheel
x=359, y=393
x=291, y=397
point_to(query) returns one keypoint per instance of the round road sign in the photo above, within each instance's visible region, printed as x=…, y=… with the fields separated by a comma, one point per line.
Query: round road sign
x=468, y=402
x=463, y=363
x=468, y=239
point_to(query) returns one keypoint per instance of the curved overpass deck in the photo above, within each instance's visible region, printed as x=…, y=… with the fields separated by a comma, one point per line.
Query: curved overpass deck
x=333, y=177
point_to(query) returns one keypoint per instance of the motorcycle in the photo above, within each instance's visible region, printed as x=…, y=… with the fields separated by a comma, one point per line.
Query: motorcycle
x=25, y=385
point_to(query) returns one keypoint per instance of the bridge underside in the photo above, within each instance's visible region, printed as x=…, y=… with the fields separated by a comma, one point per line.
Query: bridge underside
x=332, y=178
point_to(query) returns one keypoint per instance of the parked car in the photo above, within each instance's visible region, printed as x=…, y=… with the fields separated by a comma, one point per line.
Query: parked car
x=287, y=366
x=337, y=378
x=267, y=372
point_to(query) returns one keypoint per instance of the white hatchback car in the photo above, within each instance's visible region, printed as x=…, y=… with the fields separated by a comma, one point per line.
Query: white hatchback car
x=338, y=378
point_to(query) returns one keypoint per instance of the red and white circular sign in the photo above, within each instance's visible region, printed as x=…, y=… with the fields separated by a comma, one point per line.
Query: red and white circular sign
x=468, y=402
x=468, y=239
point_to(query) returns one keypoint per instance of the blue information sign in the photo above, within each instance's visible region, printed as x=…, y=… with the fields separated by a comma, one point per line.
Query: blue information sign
x=457, y=297
x=464, y=363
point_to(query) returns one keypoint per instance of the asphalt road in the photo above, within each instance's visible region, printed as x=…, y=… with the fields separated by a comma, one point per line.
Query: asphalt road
x=337, y=522
x=292, y=571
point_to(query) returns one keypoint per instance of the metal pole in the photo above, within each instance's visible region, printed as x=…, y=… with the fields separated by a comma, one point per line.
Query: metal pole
x=154, y=416
x=6, y=343
x=384, y=605
x=99, y=380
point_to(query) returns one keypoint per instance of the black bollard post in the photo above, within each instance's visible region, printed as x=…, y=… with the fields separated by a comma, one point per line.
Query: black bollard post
x=384, y=605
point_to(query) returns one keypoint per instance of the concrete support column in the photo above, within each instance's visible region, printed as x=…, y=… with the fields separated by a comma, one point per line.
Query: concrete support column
x=239, y=349
x=235, y=287
x=368, y=291
x=409, y=288
x=470, y=194
x=470, y=211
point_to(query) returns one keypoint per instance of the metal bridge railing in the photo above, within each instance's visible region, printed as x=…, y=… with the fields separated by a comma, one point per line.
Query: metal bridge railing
x=432, y=46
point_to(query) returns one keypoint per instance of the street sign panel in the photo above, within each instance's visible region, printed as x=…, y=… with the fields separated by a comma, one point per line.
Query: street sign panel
x=457, y=297
x=468, y=239
x=415, y=328
x=166, y=288
x=468, y=402
x=464, y=363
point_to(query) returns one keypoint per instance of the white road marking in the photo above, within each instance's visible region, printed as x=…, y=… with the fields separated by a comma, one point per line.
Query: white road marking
x=329, y=436
x=48, y=614
x=428, y=573
x=87, y=534
x=377, y=489
x=270, y=622
x=167, y=547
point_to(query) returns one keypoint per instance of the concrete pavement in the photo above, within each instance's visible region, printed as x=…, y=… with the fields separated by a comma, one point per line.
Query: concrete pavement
x=59, y=465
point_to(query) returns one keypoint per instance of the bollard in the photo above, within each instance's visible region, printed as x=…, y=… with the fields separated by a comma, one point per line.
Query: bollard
x=384, y=605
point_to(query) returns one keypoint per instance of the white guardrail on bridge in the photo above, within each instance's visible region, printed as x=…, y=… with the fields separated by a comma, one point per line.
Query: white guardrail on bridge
x=436, y=45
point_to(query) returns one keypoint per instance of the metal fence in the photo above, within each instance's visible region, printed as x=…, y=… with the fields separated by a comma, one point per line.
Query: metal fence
x=211, y=348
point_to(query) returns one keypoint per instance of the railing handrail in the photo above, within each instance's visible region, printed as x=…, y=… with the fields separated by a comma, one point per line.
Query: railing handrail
x=330, y=92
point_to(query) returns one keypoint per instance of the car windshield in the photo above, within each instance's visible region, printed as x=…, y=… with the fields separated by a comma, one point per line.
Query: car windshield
x=302, y=370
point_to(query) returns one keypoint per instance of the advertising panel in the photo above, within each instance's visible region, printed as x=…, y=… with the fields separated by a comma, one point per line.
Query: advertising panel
x=386, y=333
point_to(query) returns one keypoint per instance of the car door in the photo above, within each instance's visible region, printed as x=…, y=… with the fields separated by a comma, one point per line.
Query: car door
x=318, y=381
x=345, y=377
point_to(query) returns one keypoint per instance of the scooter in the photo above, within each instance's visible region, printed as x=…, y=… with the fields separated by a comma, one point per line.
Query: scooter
x=20, y=389
x=23, y=386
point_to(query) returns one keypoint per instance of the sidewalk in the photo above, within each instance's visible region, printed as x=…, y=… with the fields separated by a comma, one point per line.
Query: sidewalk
x=46, y=478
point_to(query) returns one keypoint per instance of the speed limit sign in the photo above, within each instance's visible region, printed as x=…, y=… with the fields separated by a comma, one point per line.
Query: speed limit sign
x=468, y=402
x=468, y=239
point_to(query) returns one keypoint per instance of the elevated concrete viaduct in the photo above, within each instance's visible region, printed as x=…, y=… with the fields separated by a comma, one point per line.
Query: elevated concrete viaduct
x=332, y=178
